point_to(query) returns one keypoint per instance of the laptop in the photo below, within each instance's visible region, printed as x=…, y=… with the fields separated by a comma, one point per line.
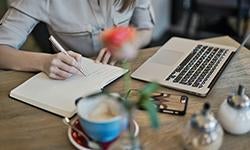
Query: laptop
x=187, y=65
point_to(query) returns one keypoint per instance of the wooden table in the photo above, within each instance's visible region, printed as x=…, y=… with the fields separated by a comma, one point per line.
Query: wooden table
x=26, y=127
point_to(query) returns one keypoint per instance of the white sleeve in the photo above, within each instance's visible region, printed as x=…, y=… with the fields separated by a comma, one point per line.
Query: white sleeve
x=15, y=27
x=143, y=16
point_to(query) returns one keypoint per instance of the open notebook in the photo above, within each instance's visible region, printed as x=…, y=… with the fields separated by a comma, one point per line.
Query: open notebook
x=58, y=96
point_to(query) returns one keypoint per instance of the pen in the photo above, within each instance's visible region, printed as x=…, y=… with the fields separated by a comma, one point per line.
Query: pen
x=60, y=48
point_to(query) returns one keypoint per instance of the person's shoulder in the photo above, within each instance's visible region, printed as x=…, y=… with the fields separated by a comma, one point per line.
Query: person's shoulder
x=35, y=8
x=29, y=4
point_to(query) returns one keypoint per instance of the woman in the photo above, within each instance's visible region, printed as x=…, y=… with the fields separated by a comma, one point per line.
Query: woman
x=77, y=26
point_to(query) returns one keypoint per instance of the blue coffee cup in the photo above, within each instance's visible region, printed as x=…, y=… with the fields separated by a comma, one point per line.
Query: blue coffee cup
x=102, y=129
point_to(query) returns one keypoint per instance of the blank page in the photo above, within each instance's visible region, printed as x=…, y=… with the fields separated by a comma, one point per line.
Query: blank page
x=58, y=96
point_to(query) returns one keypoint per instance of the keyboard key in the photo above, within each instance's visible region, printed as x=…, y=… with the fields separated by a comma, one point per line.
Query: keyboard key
x=198, y=66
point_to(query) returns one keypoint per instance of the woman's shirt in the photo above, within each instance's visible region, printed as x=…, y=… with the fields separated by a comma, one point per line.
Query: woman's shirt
x=76, y=24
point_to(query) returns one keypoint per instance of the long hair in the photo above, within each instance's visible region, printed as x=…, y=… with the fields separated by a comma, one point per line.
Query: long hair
x=124, y=4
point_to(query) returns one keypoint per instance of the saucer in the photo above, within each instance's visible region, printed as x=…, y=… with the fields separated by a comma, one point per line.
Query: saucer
x=80, y=143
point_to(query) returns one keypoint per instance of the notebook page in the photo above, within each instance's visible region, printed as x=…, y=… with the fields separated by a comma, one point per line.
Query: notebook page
x=58, y=96
x=101, y=74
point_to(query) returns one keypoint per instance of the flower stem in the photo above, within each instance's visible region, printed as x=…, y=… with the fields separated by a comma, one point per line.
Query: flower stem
x=126, y=87
x=127, y=79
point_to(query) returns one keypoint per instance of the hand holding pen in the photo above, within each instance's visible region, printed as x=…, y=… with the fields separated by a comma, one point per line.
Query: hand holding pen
x=62, y=65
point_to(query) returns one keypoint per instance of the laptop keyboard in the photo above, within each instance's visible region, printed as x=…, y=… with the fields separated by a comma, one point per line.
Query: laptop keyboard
x=198, y=66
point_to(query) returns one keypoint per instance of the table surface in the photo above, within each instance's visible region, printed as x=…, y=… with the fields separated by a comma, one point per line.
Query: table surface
x=25, y=127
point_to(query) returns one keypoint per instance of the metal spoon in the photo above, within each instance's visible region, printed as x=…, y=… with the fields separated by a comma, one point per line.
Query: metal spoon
x=91, y=144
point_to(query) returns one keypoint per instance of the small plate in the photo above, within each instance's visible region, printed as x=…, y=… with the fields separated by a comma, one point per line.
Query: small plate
x=79, y=142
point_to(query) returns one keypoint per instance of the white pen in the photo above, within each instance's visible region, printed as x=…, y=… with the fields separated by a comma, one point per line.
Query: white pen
x=60, y=48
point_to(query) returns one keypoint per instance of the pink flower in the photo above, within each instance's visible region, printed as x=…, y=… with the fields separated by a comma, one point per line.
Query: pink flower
x=118, y=40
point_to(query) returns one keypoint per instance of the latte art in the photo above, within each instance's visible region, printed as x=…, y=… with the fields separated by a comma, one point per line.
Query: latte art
x=103, y=111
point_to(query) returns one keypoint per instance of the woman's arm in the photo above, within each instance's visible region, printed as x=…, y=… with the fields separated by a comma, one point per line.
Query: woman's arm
x=143, y=38
x=56, y=66
x=15, y=27
x=11, y=58
x=143, y=19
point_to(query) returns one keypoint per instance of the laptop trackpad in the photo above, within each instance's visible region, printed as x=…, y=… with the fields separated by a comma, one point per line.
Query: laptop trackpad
x=167, y=57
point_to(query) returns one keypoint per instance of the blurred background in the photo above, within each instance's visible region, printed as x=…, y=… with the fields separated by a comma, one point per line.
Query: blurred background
x=196, y=19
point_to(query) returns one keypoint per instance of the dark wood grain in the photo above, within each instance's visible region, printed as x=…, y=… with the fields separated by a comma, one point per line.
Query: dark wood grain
x=25, y=127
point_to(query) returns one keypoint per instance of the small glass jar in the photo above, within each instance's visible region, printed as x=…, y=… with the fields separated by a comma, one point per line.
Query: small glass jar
x=203, y=131
x=126, y=142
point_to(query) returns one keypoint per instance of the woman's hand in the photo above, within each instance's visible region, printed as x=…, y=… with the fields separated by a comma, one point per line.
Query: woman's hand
x=60, y=66
x=105, y=57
